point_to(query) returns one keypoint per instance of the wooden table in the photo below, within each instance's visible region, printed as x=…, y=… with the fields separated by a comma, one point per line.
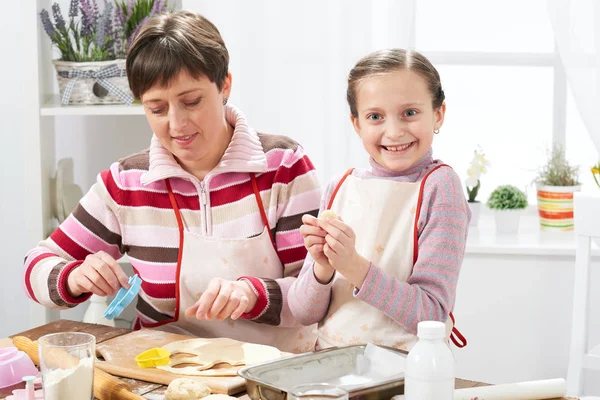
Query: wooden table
x=102, y=333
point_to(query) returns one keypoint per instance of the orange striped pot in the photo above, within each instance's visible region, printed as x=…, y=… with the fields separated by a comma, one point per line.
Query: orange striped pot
x=555, y=207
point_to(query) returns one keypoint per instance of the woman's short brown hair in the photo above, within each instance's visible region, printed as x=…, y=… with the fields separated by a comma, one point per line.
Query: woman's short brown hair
x=385, y=61
x=169, y=43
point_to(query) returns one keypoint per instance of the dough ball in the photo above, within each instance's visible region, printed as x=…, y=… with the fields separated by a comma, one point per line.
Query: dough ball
x=219, y=397
x=327, y=214
x=186, y=389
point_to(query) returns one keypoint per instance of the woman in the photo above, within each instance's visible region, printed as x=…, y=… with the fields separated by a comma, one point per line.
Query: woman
x=209, y=215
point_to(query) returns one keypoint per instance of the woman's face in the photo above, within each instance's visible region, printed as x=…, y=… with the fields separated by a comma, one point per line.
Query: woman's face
x=188, y=118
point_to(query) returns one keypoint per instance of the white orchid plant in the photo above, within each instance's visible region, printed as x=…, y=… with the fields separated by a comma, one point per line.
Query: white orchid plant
x=478, y=167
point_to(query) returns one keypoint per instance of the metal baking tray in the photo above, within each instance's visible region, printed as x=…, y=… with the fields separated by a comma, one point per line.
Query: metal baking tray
x=338, y=366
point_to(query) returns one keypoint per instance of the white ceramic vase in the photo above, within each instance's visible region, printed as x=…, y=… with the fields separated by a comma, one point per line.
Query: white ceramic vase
x=475, y=212
x=507, y=221
x=95, y=311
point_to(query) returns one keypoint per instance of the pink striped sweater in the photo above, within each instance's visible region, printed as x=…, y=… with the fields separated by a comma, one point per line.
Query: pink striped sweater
x=127, y=211
x=430, y=291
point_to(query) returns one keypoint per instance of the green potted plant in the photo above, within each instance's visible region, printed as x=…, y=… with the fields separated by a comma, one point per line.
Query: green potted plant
x=477, y=168
x=556, y=182
x=507, y=201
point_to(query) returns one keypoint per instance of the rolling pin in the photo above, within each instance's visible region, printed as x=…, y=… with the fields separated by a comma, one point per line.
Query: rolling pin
x=106, y=387
x=534, y=390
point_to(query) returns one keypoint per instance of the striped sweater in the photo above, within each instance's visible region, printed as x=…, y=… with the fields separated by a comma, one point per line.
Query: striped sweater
x=127, y=211
x=430, y=291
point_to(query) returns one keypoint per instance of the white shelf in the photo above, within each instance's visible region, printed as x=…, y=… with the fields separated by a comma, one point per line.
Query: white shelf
x=52, y=107
x=530, y=241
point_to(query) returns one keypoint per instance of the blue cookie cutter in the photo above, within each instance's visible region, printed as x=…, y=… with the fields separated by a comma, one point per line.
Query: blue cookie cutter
x=123, y=298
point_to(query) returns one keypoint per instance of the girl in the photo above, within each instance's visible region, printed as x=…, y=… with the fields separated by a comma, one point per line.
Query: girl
x=392, y=256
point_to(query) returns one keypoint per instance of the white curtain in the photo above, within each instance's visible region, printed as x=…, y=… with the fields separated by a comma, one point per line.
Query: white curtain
x=290, y=62
x=576, y=25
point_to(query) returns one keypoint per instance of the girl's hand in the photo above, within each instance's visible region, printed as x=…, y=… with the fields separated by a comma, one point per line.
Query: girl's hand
x=99, y=274
x=340, y=250
x=223, y=299
x=314, y=241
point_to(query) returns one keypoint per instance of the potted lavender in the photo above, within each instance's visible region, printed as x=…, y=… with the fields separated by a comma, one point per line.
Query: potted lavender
x=92, y=43
x=87, y=71
x=131, y=15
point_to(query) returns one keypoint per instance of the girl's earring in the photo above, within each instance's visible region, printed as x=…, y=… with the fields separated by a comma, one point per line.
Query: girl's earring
x=436, y=131
x=224, y=100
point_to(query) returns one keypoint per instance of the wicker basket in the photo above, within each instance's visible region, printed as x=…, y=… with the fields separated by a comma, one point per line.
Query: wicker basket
x=88, y=90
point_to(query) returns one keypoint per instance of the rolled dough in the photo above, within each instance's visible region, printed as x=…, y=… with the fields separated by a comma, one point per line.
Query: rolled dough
x=206, y=353
x=186, y=389
x=327, y=214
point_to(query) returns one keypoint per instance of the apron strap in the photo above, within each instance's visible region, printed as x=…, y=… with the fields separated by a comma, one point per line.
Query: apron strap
x=457, y=338
x=261, y=208
x=176, y=209
x=337, y=188
x=138, y=323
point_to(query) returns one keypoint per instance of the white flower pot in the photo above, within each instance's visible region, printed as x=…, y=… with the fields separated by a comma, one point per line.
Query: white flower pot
x=507, y=221
x=475, y=212
x=95, y=311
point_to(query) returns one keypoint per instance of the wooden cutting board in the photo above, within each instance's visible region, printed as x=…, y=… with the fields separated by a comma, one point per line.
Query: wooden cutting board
x=119, y=359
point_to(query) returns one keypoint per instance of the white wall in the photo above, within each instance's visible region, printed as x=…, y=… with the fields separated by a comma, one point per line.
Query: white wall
x=14, y=238
x=95, y=143
x=516, y=313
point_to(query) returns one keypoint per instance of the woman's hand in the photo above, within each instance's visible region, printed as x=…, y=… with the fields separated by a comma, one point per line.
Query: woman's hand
x=340, y=250
x=222, y=299
x=314, y=241
x=99, y=274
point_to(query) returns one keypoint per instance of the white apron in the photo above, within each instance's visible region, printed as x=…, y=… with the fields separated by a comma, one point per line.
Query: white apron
x=202, y=258
x=383, y=214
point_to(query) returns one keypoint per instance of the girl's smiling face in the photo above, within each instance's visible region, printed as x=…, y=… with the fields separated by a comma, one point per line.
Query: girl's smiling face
x=395, y=118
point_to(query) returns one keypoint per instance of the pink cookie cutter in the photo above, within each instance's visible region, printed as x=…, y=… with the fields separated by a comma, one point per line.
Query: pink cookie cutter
x=29, y=393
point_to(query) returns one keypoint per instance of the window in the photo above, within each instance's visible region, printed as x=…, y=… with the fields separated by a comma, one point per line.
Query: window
x=506, y=110
x=483, y=26
x=497, y=64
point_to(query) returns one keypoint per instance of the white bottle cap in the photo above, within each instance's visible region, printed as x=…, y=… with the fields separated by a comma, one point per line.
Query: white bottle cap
x=431, y=330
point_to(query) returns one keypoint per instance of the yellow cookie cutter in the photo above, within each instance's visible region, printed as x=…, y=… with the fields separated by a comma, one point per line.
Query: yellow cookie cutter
x=153, y=358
